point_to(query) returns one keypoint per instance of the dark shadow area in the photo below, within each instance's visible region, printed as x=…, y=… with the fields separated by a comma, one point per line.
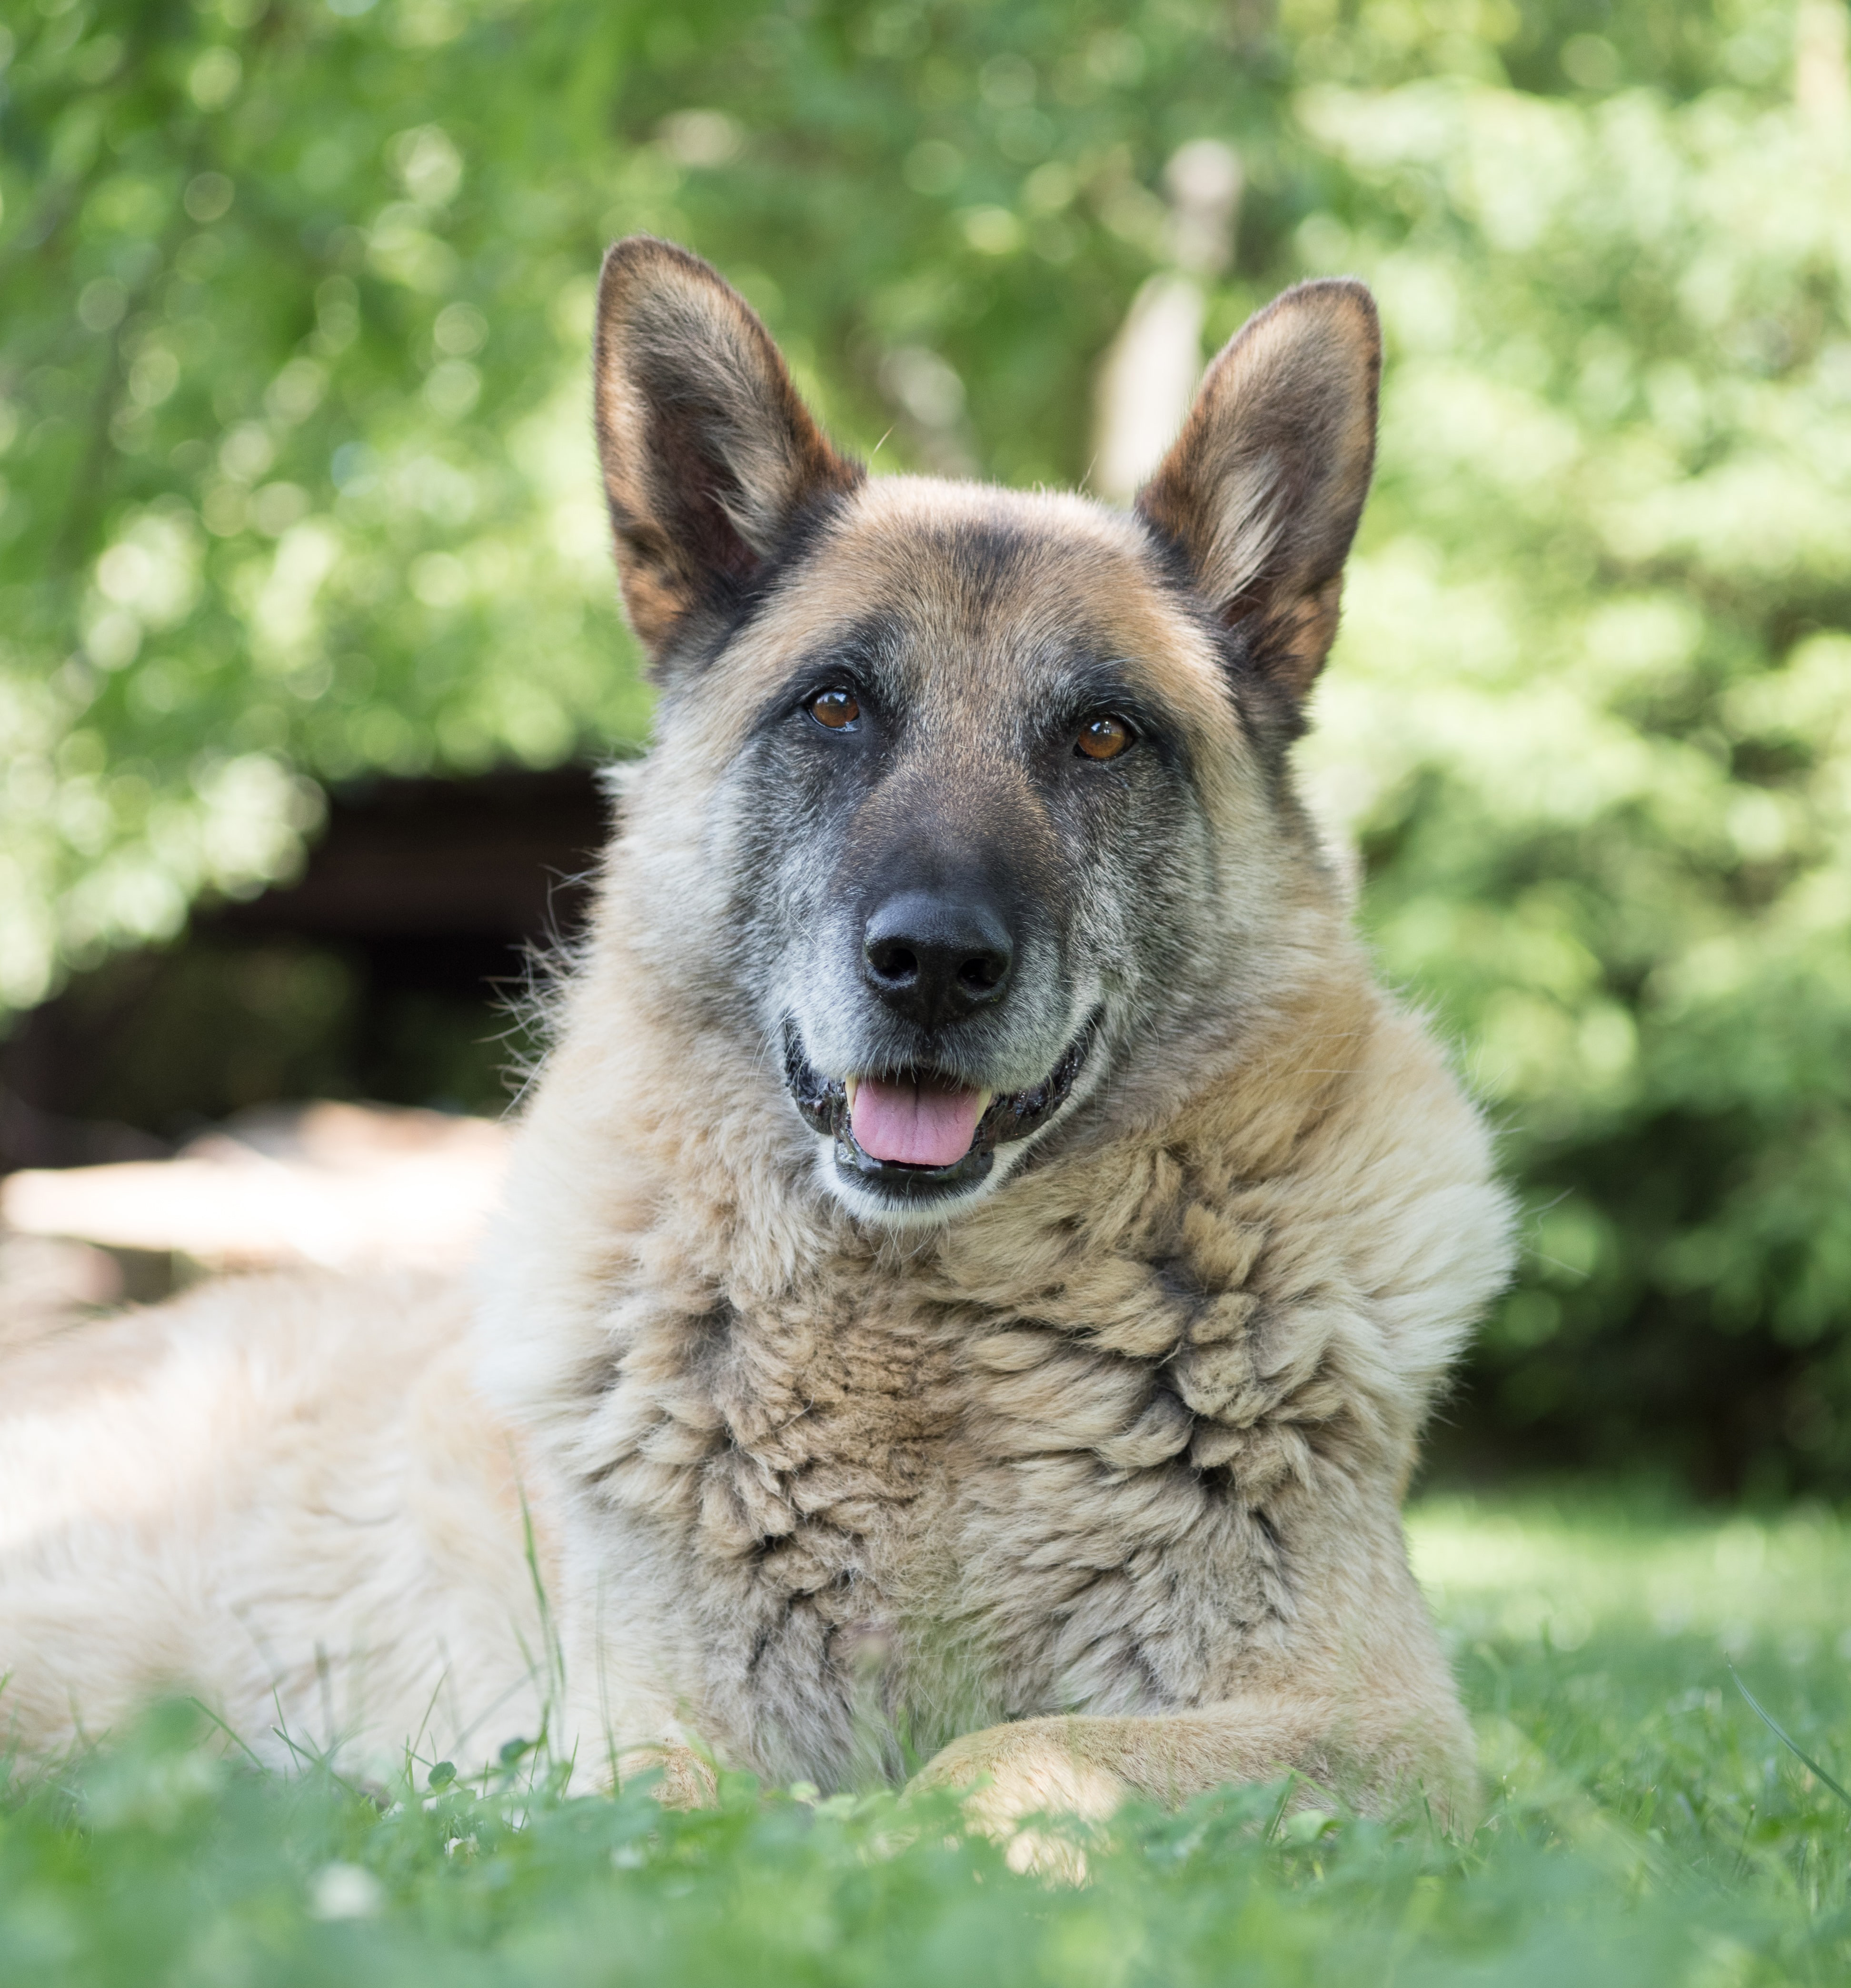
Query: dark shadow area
x=385, y=972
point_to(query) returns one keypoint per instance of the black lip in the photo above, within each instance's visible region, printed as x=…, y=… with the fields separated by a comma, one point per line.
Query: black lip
x=822, y=1103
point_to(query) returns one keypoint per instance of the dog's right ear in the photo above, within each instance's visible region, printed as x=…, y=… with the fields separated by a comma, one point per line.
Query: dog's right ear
x=709, y=457
x=1263, y=488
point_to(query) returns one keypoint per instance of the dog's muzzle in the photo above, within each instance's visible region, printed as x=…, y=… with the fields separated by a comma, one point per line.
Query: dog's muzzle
x=823, y=1101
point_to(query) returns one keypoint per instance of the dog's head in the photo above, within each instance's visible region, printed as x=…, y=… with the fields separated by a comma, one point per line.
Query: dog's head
x=966, y=801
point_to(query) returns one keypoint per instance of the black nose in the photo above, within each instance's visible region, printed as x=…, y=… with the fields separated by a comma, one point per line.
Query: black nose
x=935, y=958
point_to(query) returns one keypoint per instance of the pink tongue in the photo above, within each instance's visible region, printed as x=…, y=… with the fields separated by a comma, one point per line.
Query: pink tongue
x=920, y=1125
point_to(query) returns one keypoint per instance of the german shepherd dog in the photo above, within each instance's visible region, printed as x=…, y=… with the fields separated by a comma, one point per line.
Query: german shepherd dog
x=980, y=1248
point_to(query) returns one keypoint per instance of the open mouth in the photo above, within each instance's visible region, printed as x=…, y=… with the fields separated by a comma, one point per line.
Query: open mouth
x=918, y=1135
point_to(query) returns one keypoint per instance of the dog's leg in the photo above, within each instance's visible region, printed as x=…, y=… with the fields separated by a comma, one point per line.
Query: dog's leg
x=618, y=1720
x=1350, y=1688
x=1373, y=1757
x=610, y=1746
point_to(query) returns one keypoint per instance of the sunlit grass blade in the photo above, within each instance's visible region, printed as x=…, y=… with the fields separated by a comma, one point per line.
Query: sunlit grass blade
x=1786, y=1738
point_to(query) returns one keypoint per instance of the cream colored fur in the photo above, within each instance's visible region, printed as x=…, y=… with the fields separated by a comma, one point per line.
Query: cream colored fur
x=283, y=1494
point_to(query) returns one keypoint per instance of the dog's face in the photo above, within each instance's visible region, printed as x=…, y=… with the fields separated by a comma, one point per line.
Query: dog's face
x=973, y=842
x=990, y=783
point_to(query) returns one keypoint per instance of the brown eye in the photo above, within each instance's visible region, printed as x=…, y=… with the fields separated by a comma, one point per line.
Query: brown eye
x=1103, y=737
x=837, y=709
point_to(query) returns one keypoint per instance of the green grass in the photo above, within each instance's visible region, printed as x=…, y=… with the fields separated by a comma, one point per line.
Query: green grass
x=1644, y=1825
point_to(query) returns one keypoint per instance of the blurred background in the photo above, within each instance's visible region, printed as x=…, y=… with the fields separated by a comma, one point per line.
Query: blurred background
x=308, y=641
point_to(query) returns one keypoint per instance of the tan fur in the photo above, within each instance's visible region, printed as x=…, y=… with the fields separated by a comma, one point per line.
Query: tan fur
x=1094, y=1484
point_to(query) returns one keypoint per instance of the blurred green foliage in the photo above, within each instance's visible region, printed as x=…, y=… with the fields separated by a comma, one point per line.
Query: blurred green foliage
x=298, y=484
x=1592, y=721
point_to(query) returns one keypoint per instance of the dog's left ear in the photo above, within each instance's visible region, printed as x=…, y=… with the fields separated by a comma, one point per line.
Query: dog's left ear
x=710, y=459
x=1263, y=488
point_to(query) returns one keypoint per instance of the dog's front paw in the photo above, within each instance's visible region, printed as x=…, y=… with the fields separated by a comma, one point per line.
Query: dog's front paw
x=679, y=1777
x=1033, y=1767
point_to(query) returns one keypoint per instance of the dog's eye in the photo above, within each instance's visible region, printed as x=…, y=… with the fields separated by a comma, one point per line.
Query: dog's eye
x=1104, y=737
x=835, y=709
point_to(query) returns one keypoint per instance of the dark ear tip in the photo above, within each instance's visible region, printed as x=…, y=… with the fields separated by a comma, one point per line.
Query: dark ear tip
x=1353, y=288
x=631, y=262
x=1330, y=297
x=633, y=252
x=1335, y=314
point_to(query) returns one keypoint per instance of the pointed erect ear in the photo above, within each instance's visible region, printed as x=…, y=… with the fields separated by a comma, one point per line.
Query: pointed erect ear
x=711, y=461
x=1264, y=487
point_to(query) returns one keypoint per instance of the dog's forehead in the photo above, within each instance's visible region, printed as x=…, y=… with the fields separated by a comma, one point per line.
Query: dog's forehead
x=972, y=591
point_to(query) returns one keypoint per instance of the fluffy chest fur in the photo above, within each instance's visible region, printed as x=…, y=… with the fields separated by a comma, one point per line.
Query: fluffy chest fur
x=897, y=1507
